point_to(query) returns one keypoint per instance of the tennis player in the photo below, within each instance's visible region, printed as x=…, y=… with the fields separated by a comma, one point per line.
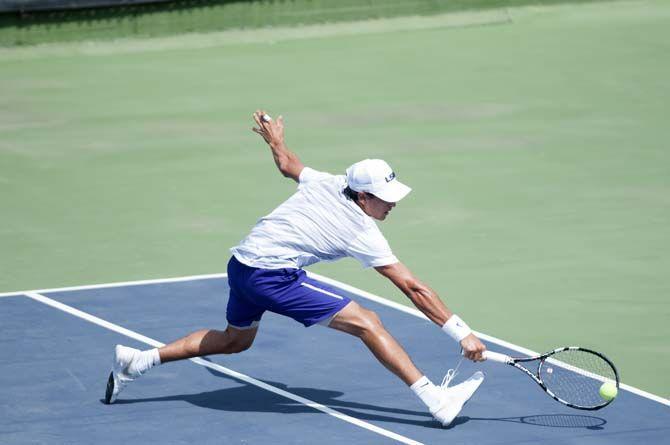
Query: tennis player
x=329, y=217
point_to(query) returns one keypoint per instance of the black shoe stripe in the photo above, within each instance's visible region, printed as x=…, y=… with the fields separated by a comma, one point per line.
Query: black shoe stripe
x=110, y=388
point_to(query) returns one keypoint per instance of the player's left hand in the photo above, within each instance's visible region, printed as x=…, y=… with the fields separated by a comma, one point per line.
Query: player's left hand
x=272, y=130
x=473, y=348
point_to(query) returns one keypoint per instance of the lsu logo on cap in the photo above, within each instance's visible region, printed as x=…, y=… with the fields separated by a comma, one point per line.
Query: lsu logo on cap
x=390, y=177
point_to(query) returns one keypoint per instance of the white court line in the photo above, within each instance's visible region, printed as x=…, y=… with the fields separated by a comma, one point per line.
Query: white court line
x=118, y=284
x=243, y=377
x=340, y=285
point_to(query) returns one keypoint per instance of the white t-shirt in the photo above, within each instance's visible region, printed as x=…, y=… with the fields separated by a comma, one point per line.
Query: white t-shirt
x=317, y=223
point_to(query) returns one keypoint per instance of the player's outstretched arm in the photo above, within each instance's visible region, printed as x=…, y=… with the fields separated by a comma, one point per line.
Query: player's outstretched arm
x=428, y=302
x=272, y=131
x=423, y=297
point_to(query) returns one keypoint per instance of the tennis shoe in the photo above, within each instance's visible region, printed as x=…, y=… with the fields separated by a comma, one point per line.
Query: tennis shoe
x=122, y=372
x=454, y=398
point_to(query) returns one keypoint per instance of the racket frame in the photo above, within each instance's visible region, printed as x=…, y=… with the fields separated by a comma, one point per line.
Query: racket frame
x=512, y=361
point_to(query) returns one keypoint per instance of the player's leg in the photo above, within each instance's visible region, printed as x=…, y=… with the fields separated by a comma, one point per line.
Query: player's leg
x=243, y=318
x=443, y=402
x=311, y=302
x=209, y=342
x=366, y=325
x=130, y=363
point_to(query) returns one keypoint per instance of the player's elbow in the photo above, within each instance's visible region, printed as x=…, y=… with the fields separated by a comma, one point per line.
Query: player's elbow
x=291, y=172
x=283, y=164
x=286, y=171
x=286, y=166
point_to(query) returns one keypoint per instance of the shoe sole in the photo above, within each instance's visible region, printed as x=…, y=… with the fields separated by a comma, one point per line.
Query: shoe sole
x=110, y=389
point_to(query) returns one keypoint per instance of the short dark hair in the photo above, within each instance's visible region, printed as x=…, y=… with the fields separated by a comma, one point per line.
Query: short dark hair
x=352, y=194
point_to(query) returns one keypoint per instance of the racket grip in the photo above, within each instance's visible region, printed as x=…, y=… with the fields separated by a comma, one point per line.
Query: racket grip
x=497, y=357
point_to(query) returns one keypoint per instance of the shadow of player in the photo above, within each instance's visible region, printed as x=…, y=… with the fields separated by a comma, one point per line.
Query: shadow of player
x=250, y=398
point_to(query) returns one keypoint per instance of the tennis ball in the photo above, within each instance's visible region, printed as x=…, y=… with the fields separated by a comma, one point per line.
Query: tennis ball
x=608, y=391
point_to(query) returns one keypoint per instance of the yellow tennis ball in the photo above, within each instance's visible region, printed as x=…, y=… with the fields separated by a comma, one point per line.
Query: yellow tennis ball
x=608, y=391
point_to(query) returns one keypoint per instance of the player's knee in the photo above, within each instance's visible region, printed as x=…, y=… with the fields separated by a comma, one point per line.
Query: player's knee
x=370, y=322
x=237, y=348
x=239, y=345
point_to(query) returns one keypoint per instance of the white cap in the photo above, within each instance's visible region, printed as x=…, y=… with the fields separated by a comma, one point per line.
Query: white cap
x=377, y=177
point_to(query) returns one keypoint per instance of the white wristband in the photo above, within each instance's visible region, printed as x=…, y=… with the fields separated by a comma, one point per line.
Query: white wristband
x=456, y=328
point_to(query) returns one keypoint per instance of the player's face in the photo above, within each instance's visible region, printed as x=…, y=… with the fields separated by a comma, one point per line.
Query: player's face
x=375, y=207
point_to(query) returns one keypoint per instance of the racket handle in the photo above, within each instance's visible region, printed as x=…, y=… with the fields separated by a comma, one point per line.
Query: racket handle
x=497, y=357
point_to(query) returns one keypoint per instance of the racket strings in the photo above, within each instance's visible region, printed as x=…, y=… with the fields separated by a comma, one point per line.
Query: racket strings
x=576, y=376
x=451, y=374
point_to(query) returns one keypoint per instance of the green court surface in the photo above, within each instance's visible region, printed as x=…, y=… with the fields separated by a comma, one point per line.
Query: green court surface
x=535, y=140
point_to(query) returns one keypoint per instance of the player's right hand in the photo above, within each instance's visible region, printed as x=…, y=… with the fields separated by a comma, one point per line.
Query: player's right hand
x=473, y=348
x=271, y=130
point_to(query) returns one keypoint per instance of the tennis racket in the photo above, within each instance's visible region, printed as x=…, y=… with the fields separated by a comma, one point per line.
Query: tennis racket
x=572, y=375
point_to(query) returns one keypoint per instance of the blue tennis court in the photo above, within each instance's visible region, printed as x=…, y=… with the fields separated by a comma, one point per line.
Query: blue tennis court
x=295, y=385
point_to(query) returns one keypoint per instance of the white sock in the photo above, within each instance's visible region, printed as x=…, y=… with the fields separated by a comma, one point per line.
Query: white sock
x=144, y=361
x=427, y=392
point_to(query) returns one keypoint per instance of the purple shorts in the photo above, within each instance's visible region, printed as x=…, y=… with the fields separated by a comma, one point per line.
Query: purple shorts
x=286, y=292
